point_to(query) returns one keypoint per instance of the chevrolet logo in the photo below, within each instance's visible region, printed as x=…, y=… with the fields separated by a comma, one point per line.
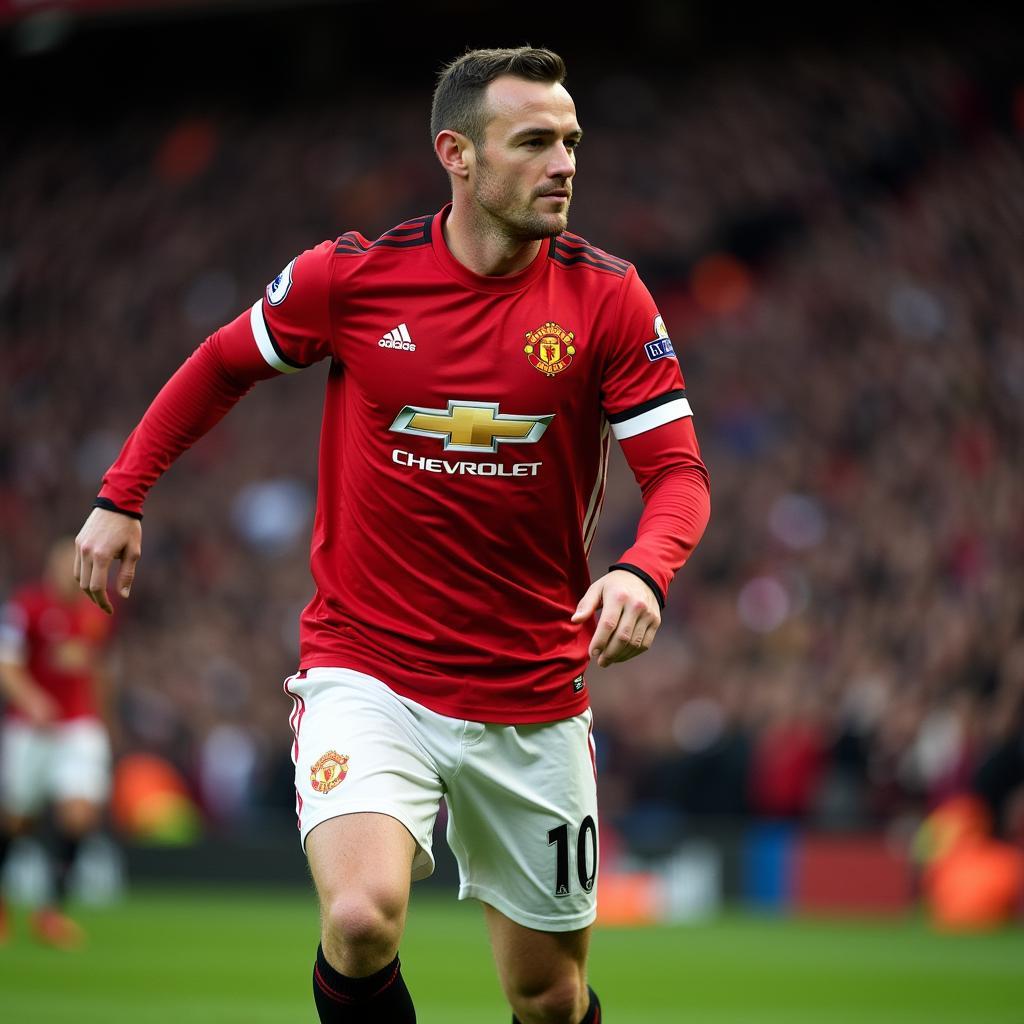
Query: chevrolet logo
x=471, y=426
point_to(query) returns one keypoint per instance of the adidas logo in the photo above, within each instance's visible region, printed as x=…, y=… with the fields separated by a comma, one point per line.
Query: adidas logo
x=398, y=338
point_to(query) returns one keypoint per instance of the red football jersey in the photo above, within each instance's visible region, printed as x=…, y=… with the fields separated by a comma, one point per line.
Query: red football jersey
x=463, y=455
x=60, y=642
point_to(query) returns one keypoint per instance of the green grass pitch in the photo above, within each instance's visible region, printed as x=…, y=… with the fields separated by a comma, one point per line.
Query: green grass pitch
x=216, y=957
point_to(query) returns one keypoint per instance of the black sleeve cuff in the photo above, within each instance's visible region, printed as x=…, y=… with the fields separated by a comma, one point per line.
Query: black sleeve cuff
x=636, y=571
x=107, y=504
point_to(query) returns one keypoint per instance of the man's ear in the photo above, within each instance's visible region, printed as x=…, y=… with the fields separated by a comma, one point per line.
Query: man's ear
x=455, y=151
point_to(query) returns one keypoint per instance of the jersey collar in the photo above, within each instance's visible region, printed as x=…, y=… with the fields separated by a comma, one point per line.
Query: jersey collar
x=484, y=282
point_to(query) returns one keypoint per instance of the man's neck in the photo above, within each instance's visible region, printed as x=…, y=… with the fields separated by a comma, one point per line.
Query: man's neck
x=478, y=245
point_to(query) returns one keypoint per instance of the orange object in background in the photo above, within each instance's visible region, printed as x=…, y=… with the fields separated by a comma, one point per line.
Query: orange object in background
x=151, y=802
x=629, y=898
x=972, y=881
x=977, y=886
x=959, y=819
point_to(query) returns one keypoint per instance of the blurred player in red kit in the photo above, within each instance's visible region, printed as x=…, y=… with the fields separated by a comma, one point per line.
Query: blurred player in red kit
x=481, y=358
x=54, y=744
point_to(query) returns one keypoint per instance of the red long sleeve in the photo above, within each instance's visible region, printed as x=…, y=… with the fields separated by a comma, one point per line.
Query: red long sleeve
x=676, y=493
x=217, y=374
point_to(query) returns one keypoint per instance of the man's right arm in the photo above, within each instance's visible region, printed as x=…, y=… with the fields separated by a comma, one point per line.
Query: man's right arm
x=17, y=686
x=197, y=396
x=275, y=336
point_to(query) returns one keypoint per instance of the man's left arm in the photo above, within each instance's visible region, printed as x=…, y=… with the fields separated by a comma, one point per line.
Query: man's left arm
x=643, y=394
x=676, y=491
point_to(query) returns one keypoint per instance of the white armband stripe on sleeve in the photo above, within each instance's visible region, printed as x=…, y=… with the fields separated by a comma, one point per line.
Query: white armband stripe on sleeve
x=648, y=419
x=265, y=343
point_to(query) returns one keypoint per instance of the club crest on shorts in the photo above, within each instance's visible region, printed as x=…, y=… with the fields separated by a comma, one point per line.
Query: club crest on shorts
x=550, y=348
x=328, y=771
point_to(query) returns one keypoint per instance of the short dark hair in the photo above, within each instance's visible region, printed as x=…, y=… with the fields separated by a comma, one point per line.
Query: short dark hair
x=459, y=95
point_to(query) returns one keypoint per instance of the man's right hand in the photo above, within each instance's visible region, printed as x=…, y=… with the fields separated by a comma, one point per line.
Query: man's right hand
x=38, y=706
x=104, y=537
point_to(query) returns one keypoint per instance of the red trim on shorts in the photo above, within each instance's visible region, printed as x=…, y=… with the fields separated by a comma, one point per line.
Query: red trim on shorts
x=593, y=748
x=295, y=722
x=295, y=718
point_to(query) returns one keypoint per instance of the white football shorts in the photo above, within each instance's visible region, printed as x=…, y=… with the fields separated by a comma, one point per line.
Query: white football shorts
x=66, y=761
x=522, y=799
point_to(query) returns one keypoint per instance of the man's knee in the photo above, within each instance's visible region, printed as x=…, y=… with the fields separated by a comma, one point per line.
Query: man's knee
x=562, y=1000
x=361, y=865
x=78, y=816
x=364, y=921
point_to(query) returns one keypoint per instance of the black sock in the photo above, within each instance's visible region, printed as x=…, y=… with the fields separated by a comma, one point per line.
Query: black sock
x=593, y=1014
x=67, y=851
x=381, y=998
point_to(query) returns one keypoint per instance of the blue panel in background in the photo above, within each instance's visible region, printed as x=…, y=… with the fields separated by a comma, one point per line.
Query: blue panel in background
x=767, y=874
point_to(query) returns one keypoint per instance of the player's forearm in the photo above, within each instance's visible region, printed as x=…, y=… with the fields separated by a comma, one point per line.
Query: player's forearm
x=16, y=684
x=676, y=491
x=673, y=521
x=198, y=395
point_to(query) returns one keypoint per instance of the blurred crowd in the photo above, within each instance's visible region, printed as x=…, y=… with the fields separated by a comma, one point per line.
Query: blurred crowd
x=836, y=246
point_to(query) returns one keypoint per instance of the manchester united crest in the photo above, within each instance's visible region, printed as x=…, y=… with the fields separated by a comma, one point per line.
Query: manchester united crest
x=328, y=771
x=550, y=348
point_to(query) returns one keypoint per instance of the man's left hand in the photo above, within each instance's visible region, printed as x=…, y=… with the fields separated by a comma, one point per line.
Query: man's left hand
x=630, y=616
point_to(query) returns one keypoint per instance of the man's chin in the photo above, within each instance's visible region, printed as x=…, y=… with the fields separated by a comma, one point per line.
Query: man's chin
x=548, y=225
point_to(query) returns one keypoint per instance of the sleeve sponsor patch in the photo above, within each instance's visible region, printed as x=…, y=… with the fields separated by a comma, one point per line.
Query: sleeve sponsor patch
x=661, y=346
x=277, y=290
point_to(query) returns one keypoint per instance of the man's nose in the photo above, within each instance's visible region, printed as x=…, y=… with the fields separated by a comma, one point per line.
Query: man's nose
x=562, y=165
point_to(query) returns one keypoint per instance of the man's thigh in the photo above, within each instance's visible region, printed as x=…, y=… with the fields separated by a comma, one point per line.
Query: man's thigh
x=26, y=754
x=362, y=867
x=366, y=854
x=523, y=823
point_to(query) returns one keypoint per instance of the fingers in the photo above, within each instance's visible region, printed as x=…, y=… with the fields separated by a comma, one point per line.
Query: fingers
x=126, y=576
x=589, y=603
x=107, y=536
x=626, y=639
x=641, y=641
x=97, y=578
x=605, y=632
x=629, y=618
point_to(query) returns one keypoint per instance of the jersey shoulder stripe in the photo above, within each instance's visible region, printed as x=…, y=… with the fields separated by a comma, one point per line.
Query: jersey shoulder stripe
x=409, y=234
x=573, y=251
x=591, y=252
x=584, y=260
x=572, y=240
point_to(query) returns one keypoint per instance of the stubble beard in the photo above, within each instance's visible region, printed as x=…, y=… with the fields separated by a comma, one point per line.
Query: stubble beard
x=509, y=217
